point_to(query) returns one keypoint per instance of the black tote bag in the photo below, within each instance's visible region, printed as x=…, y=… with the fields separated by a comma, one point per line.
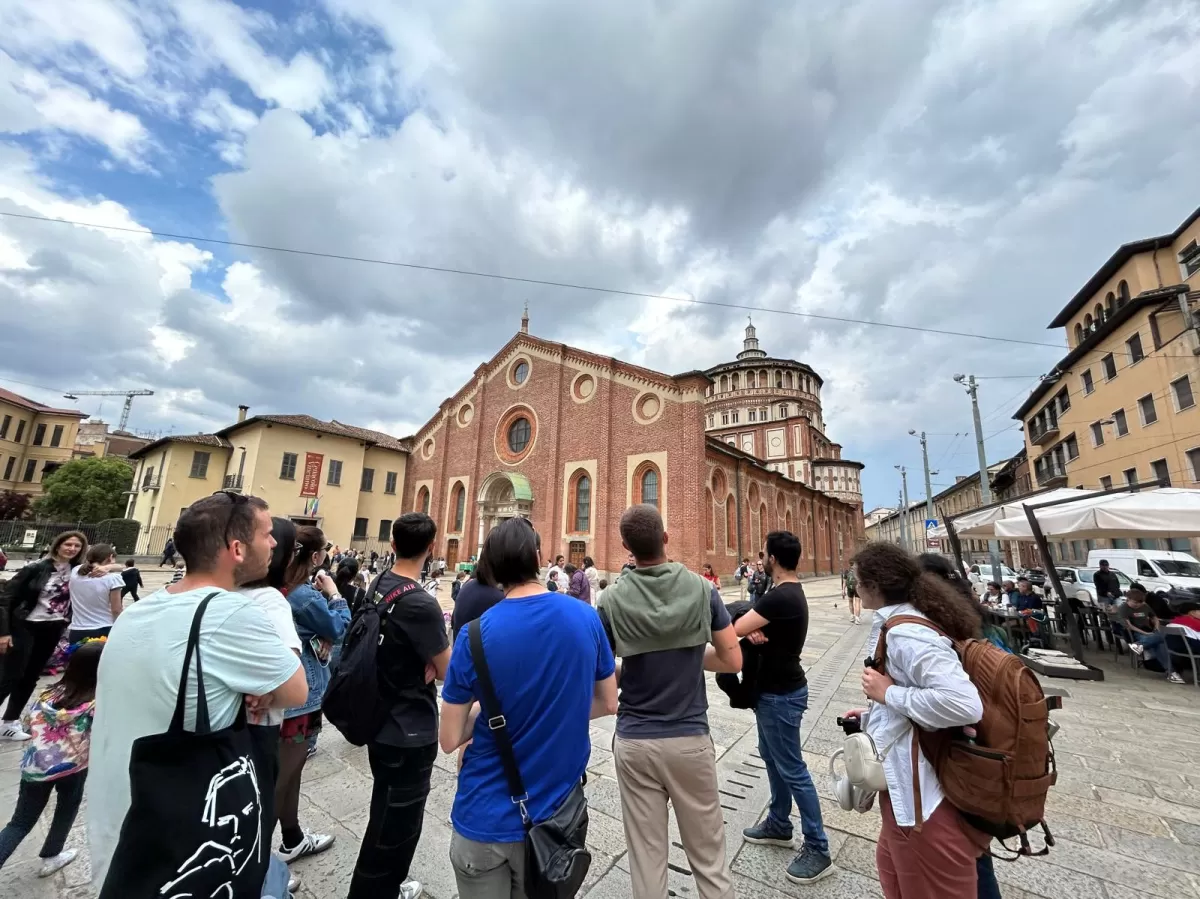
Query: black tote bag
x=197, y=824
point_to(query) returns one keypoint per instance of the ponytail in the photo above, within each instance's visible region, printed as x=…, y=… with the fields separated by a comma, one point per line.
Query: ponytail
x=98, y=555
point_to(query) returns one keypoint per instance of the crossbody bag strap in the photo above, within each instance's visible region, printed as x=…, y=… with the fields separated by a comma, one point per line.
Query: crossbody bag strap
x=193, y=645
x=495, y=718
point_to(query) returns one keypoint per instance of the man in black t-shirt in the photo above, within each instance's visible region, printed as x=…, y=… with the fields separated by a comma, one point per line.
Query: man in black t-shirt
x=413, y=650
x=778, y=624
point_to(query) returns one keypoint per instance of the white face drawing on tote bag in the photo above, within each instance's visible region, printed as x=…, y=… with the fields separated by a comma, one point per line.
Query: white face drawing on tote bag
x=235, y=841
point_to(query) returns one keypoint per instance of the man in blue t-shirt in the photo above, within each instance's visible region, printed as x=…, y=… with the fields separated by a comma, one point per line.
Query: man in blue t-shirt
x=552, y=671
x=668, y=624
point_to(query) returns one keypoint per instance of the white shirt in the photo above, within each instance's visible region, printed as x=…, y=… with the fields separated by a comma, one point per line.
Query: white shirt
x=139, y=680
x=932, y=689
x=279, y=612
x=90, y=606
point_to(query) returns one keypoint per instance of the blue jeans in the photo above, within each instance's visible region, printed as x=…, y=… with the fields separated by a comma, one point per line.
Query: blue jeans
x=778, y=716
x=1156, y=645
x=276, y=884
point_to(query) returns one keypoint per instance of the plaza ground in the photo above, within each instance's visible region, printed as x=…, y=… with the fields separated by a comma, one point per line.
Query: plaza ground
x=1125, y=811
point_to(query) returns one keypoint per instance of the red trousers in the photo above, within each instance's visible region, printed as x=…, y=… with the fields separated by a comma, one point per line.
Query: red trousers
x=937, y=863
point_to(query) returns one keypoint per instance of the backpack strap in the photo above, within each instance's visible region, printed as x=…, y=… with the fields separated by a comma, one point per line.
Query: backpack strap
x=496, y=721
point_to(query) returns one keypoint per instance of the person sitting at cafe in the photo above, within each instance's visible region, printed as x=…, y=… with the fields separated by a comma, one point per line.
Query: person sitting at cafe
x=1009, y=590
x=1142, y=625
x=1189, y=618
x=1025, y=600
x=993, y=595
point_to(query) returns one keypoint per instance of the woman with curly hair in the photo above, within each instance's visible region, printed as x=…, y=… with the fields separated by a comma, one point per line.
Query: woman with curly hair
x=925, y=849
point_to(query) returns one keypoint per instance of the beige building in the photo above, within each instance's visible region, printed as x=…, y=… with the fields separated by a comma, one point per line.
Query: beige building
x=95, y=439
x=34, y=441
x=346, y=480
x=1120, y=406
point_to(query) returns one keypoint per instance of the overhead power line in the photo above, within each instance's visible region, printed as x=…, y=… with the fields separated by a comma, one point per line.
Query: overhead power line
x=515, y=279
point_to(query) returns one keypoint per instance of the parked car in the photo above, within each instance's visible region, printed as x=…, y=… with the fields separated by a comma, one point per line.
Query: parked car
x=985, y=574
x=1174, y=574
x=1036, y=576
x=1079, y=583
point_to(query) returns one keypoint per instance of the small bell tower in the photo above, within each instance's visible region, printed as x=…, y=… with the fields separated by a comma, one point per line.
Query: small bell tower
x=750, y=348
x=525, y=319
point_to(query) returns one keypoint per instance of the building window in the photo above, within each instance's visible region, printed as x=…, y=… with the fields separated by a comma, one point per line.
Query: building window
x=711, y=420
x=783, y=410
x=752, y=412
x=518, y=435
x=1161, y=471
x=1120, y=423
x=385, y=529
x=1183, y=394
x=1134, y=345
x=730, y=524
x=30, y=468
x=4, y=427
x=1072, y=447
x=1192, y=454
x=1086, y=378
x=1110, y=367
x=724, y=383
x=39, y=435
x=287, y=470
x=724, y=418
x=520, y=372
x=1097, y=434
x=56, y=436
x=646, y=481
x=360, y=528
x=423, y=500
x=733, y=416
x=20, y=431
x=1106, y=483
x=389, y=482
x=368, y=480
x=1131, y=477
x=581, y=500
x=1189, y=258
x=459, y=503
x=199, y=465
x=335, y=473
x=1147, y=410
x=779, y=380
x=735, y=382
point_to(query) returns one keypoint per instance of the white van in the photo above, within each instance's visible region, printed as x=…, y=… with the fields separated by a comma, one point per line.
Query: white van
x=1155, y=569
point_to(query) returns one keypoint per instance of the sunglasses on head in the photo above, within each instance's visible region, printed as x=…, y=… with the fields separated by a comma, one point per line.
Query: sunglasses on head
x=235, y=500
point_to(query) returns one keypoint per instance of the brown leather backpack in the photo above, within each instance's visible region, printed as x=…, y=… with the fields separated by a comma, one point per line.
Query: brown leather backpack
x=999, y=779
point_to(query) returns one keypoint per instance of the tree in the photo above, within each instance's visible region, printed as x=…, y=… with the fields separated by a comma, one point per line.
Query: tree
x=90, y=489
x=14, y=506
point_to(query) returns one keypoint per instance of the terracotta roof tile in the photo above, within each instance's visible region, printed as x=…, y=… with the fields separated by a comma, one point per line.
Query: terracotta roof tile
x=25, y=403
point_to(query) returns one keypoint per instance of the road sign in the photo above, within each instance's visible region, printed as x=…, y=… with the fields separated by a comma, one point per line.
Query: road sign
x=934, y=543
x=930, y=523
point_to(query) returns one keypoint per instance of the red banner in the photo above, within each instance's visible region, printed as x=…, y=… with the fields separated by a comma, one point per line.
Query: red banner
x=312, y=474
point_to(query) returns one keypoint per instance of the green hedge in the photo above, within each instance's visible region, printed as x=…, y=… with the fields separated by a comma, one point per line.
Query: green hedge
x=122, y=533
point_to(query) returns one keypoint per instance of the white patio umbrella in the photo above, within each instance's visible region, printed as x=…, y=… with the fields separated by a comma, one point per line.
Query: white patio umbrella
x=985, y=522
x=1161, y=512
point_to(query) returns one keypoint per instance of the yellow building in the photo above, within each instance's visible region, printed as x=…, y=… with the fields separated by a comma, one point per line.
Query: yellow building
x=34, y=441
x=1120, y=407
x=346, y=480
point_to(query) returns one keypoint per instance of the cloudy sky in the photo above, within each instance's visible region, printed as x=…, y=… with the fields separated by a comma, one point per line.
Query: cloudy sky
x=954, y=165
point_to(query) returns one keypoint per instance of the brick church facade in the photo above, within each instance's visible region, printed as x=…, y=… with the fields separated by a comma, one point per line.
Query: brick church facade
x=570, y=439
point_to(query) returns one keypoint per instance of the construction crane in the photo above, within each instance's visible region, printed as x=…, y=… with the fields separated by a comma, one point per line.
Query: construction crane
x=128, y=394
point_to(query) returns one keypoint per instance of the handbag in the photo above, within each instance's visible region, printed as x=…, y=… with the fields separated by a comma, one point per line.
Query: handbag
x=864, y=776
x=198, y=822
x=556, y=855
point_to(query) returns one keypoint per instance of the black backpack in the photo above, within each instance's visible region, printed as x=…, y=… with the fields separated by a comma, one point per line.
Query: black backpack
x=353, y=701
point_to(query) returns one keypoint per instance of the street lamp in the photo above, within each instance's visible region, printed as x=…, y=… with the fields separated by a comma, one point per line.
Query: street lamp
x=930, y=513
x=985, y=486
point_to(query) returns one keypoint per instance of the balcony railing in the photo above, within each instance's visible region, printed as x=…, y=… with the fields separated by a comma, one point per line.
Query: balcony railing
x=1041, y=434
x=233, y=483
x=152, y=483
x=1052, y=476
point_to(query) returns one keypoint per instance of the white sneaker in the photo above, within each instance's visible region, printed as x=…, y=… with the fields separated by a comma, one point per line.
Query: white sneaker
x=56, y=864
x=411, y=889
x=12, y=731
x=1174, y=678
x=312, y=844
x=1137, y=649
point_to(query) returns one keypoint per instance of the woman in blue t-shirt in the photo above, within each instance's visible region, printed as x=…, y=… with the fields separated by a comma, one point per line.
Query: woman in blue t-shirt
x=553, y=671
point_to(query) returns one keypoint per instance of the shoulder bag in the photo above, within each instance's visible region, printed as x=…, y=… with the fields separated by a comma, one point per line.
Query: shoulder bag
x=199, y=820
x=556, y=856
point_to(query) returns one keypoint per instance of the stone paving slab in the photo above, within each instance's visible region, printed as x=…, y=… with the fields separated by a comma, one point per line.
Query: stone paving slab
x=1126, y=811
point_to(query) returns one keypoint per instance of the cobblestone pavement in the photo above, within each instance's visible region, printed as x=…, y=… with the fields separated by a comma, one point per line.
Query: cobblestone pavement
x=1125, y=812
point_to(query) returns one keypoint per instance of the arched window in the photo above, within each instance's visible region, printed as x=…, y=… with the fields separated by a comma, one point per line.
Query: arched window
x=423, y=500
x=762, y=378
x=1078, y=333
x=718, y=484
x=788, y=380
x=787, y=523
x=646, y=484
x=734, y=382
x=1122, y=294
x=750, y=379
x=780, y=508
x=458, y=501
x=762, y=525
x=724, y=383
x=711, y=543
x=779, y=379
x=581, y=502
x=1087, y=322
x=730, y=524
x=1099, y=313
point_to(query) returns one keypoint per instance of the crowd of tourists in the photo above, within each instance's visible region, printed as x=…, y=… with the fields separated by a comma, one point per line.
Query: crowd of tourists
x=199, y=705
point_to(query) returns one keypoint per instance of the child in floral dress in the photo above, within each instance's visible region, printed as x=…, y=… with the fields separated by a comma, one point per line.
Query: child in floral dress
x=56, y=759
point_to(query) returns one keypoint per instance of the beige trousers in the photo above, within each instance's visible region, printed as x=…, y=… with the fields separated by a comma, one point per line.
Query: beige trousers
x=683, y=769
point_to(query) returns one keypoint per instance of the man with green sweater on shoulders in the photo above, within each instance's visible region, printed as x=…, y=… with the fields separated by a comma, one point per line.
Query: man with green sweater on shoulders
x=668, y=625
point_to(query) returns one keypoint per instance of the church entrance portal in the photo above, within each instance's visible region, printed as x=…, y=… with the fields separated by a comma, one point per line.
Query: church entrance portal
x=504, y=494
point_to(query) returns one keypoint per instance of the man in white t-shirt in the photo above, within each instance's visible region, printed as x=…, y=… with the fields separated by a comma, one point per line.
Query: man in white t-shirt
x=225, y=540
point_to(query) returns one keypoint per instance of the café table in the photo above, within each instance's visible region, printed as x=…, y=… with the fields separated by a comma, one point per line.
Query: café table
x=1010, y=620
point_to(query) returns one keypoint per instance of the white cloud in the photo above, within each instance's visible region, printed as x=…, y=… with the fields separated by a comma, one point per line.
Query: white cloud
x=108, y=28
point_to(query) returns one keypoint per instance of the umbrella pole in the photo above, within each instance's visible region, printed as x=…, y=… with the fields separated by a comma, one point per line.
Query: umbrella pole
x=955, y=546
x=1052, y=573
